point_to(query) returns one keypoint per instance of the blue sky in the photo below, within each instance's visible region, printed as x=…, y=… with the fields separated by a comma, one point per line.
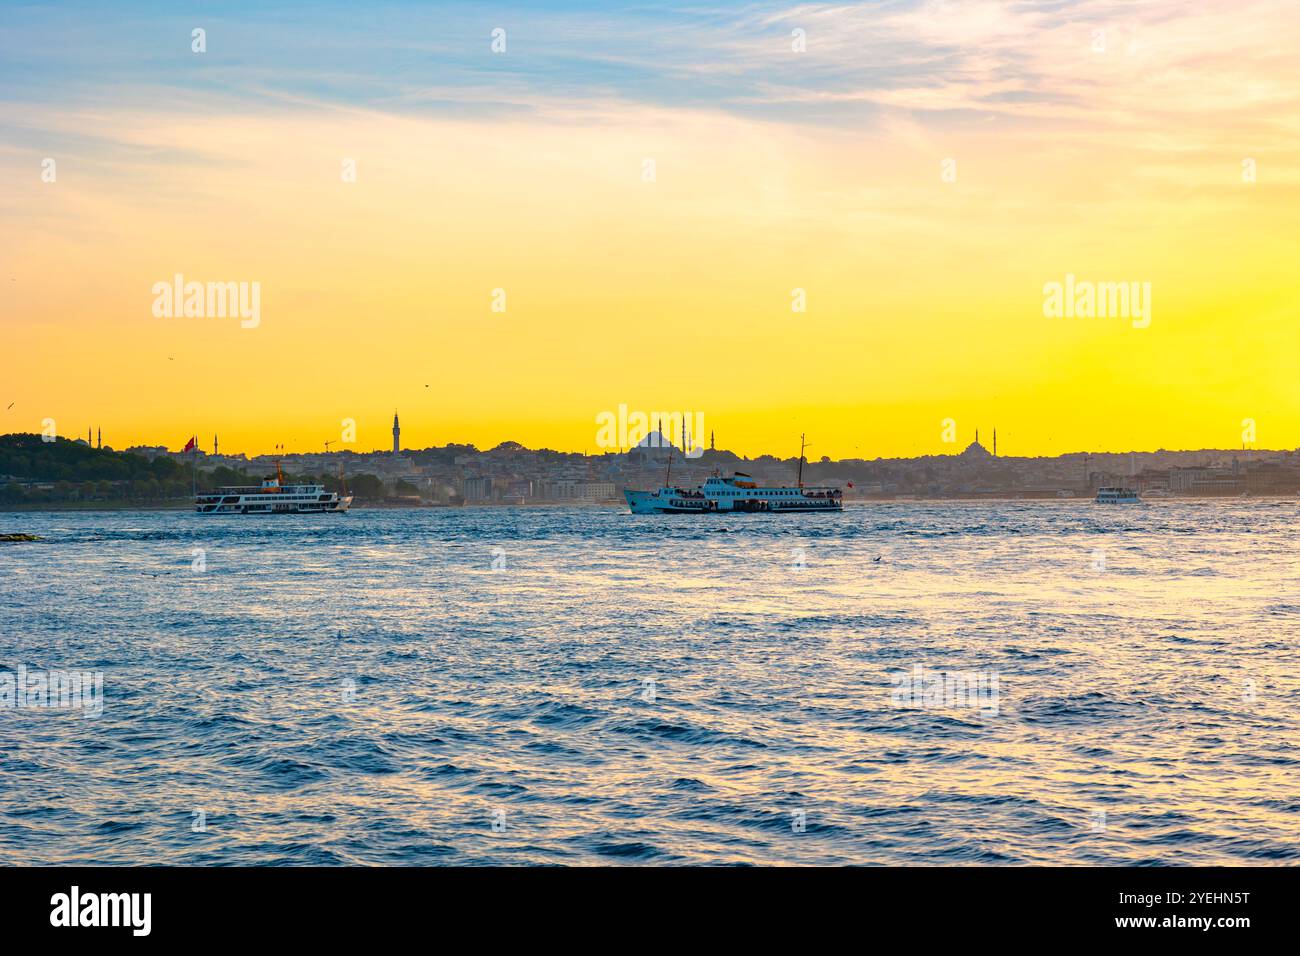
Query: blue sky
x=417, y=57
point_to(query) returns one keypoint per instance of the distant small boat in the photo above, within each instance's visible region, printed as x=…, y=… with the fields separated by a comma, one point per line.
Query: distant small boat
x=1116, y=496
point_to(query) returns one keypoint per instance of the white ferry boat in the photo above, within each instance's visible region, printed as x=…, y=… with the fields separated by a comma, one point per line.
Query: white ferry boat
x=739, y=493
x=272, y=497
x=1116, y=496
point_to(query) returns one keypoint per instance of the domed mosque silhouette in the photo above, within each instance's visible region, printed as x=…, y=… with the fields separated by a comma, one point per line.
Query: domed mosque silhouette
x=976, y=450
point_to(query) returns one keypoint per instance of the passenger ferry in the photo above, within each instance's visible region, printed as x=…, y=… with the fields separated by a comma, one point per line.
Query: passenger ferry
x=736, y=494
x=1116, y=496
x=739, y=493
x=273, y=497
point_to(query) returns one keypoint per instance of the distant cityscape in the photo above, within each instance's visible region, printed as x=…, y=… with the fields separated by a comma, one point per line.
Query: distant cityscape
x=511, y=474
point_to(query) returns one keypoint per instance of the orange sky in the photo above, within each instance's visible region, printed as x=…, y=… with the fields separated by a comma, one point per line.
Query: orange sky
x=924, y=296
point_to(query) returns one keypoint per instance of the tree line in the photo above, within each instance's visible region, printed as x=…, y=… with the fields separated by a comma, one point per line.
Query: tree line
x=35, y=470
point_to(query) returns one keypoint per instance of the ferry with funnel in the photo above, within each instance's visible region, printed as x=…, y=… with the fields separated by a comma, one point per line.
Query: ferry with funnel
x=737, y=494
x=271, y=497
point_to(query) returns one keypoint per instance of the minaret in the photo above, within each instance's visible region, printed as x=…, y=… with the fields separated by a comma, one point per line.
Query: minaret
x=977, y=436
x=397, y=435
x=99, y=438
x=995, y=443
x=214, y=443
x=711, y=446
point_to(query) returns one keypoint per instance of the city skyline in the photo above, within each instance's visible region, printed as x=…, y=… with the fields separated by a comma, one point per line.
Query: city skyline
x=33, y=470
x=950, y=448
x=851, y=221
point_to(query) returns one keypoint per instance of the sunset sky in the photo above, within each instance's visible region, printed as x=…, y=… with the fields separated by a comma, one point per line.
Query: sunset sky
x=1112, y=140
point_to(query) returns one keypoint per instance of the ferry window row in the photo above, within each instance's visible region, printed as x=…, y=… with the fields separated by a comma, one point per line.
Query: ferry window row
x=766, y=493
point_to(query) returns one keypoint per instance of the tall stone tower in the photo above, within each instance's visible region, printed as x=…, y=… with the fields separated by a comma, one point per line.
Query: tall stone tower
x=397, y=435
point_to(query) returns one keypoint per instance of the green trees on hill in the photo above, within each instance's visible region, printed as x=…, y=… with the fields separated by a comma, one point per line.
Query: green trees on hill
x=37, y=471
x=366, y=486
x=34, y=471
x=31, y=458
x=221, y=476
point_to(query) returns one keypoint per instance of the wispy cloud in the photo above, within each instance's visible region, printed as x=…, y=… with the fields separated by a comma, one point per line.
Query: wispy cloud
x=1067, y=60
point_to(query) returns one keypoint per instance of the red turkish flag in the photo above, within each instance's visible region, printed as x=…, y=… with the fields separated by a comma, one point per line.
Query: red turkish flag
x=189, y=445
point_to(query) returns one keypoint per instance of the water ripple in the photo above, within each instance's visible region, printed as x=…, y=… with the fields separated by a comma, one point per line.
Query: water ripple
x=377, y=688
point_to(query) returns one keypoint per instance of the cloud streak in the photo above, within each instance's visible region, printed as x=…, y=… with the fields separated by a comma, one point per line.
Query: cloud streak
x=987, y=57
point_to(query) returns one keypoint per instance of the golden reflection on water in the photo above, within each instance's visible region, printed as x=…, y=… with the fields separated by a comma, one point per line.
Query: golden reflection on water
x=588, y=686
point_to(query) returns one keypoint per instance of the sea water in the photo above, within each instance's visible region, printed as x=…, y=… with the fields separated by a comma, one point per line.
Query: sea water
x=916, y=683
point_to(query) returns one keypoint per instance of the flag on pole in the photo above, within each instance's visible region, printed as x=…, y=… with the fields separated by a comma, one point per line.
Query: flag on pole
x=189, y=445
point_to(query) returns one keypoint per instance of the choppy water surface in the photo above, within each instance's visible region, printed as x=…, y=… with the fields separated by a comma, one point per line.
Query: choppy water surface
x=580, y=686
